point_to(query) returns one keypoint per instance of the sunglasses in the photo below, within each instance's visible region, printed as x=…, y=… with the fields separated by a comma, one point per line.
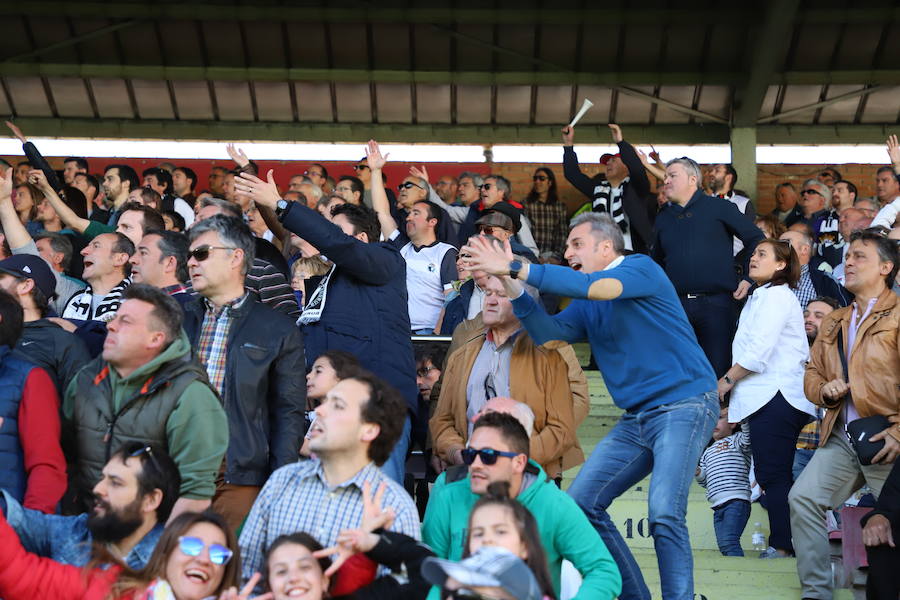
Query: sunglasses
x=201, y=253
x=192, y=546
x=486, y=186
x=408, y=184
x=149, y=451
x=488, y=456
x=816, y=192
x=360, y=167
x=540, y=178
x=489, y=229
x=423, y=372
x=463, y=256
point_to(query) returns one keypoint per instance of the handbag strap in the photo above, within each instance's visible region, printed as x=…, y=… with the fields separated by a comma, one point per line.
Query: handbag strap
x=840, y=345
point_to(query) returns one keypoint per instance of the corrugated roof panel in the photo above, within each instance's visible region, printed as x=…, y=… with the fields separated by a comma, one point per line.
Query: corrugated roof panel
x=97, y=50
x=728, y=46
x=814, y=48
x=71, y=97
x=234, y=100
x=273, y=99
x=193, y=99
x=313, y=101
x=558, y=43
x=140, y=45
x=307, y=43
x=768, y=104
x=473, y=104
x=680, y=94
x=432, y=49
x=265, y=44
x=112, y=98
x=599, y=113
x=857, y=48
x=223, y=43
x=394, y=103
x=48, y=31
x=796, y=96
x=553, y=104
x=152, y=99
x=715, y=99
x=642, y=47
x=471, y=56
x=600, y=47
x=513, y=103
x=354, y=103
x=839, y=112
x=28, y=96
x=433, y=103
x=633, y=110
x=14, y=40
x=348, y=44
x=391, y=44
x=679, y=56
x=519, y=39
x=882, y=106
x=181, y=44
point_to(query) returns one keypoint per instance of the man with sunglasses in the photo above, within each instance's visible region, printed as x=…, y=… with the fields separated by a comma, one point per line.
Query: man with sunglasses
x=132, y=500
x=498, y=450
x=364, y=173
x=815, y=198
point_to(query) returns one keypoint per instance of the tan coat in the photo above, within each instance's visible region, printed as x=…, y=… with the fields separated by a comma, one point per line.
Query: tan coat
x=874, y=365
x=539, y=377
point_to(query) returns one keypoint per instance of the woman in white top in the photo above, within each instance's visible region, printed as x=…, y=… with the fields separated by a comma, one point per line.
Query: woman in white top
x=770, y=351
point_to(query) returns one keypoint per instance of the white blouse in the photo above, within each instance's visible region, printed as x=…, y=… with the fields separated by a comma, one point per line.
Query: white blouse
x=771, y=342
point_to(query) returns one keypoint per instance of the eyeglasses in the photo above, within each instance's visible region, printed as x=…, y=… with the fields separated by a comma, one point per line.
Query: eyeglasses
x=343, y=189
x=488, y=456
x=486, y=186
x=193, y=546
x=201, y=253
x=360, y=167
x=540, y=178
x=811, y=191
x=423, y=372
x=408, y=184
x=310, y=173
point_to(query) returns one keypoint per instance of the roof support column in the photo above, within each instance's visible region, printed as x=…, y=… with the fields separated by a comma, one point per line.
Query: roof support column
x=743, y=159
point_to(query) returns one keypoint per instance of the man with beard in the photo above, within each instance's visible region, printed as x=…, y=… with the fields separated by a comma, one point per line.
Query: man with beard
x=133, y=500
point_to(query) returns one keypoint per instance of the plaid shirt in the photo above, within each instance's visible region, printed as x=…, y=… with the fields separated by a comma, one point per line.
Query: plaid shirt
x=211, y=347
x=805, y=291
x=809, y=435
x=297, y=498
x=549, y=225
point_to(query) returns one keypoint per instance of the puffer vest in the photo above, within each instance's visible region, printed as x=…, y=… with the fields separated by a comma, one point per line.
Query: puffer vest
x=13, y=373
x=101, y=430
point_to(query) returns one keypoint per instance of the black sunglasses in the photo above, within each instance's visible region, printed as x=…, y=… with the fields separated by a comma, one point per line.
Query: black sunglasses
x=488, y=456
x=201, y=253
x=811, y=191
x=540, y=178
x=360, y=167
x=408, y=184
x=149, y=451
x=486, y=186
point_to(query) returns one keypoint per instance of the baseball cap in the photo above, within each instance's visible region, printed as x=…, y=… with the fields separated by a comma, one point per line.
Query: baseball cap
x=607, y=157
x=502, y=214
x=28, y=266
x=489, y=567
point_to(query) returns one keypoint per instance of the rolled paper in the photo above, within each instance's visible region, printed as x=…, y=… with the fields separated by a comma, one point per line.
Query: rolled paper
x=584, y=108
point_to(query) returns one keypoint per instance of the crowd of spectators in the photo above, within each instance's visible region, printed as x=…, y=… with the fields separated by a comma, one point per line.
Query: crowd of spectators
x=222, y=391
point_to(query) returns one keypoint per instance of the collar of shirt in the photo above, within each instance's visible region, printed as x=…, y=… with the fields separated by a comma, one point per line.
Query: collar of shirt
x=178, y=288
x=489, y=337
x=367, y=473
x=228, y=306
x=615, y=263
x=804, y=269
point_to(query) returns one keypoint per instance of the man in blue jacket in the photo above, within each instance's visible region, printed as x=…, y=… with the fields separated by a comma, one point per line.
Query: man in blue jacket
x=360, y=306
x=628, y=310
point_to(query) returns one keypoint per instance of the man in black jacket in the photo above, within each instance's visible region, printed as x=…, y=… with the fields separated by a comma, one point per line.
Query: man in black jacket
x=30, y=281
x=623, y=193
x=254, y=358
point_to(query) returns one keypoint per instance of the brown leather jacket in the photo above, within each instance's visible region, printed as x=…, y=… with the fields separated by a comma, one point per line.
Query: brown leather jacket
x=539, y=377
x=874, y=365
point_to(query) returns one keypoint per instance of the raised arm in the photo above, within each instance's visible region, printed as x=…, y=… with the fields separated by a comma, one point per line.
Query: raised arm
x=632, y=161
x=457, y=214
x=380, y=203
x=654, y=169
x=66, y=214
x=16, y=234
x=571, y=168
x=35, y=158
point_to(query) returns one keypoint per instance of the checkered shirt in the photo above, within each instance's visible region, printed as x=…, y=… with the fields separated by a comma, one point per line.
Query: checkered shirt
x=211, y=348
x=549, y=225
x=805, y=291
x=297, y=498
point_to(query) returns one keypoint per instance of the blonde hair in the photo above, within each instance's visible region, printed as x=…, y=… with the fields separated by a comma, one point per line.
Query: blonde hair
x=313, y=265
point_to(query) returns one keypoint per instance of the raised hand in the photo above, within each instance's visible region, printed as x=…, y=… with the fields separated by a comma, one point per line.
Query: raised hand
x=38, y=178
x=6, y=183
x=419, y=172
x=654, y=154
x=17, y=132
x=374, y=517
x=489, y=257
x=893, y=150
x=261, y=192
x=616, y=132
x=232, y=593
x=374, y=157
x=237, y=155
x=568, y=135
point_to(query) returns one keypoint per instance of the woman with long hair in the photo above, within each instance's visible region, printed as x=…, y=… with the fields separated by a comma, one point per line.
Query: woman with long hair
x=548, y=216
x=196, y=557
x=770, y=350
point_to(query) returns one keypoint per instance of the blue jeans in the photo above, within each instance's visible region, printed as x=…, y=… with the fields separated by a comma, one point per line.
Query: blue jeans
x=395, y=467
x=729, y=521
x=667, y=441
x=801, y=458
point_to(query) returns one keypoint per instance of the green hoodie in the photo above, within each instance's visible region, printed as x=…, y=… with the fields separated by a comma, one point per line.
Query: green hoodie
x=565, y=532
x=196, y=430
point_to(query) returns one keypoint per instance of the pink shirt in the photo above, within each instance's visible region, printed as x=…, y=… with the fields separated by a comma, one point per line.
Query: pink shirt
x=850, y=413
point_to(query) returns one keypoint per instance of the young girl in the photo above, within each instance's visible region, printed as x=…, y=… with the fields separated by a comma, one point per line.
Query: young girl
x=302, y=270
x=326, y=372
x=498, y=520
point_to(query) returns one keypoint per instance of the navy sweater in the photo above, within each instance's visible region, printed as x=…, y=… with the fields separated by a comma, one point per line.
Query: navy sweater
x=694, y=243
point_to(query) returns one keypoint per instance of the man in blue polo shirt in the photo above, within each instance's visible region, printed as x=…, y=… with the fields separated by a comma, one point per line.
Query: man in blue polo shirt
x=628, y=310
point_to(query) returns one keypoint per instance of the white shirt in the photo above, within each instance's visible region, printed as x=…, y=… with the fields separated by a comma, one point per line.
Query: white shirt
x=771, y=342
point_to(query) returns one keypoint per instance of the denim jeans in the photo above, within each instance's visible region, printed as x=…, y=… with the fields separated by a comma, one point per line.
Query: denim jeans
x=713, y=320
x=801, y=458
x=729, y=521
x=667, y=441
x=395, y=467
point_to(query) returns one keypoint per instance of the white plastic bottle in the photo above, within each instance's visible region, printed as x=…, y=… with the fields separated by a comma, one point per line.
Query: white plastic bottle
x=759, y=538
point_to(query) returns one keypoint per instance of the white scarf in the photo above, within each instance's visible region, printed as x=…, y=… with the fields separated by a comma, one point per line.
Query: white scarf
x=315, y=306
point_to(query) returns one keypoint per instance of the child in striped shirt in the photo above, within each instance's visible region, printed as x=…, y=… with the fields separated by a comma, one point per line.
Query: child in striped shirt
x=724, y=471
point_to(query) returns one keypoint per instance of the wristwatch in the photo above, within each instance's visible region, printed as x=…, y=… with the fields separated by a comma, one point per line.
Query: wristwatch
x=514, y=267
x=728, y=379
x=280, y=207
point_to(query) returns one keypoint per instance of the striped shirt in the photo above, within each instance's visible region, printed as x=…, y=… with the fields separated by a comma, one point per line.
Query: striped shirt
x=211, y=347
x=269, y=286
x=725, y=469
x=297, y=498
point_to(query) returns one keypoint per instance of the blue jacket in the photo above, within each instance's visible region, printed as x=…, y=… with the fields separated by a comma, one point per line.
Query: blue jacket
x=366, y=312
x=13, y=373
x=825, y=285
x=458, y=308
x=67, y=540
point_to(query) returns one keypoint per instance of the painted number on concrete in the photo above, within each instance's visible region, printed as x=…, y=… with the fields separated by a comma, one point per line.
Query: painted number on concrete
x=700, y=597
x=641, y=527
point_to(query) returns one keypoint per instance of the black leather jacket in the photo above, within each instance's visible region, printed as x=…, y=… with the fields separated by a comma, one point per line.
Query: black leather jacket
x=264, y=391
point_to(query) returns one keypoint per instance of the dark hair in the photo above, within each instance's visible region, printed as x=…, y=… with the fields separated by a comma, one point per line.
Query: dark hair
x=23, y=162
x=150, y=217
x=189, y=174
x=158, y=472
x=58, y=243
x=552, y=194
x=12, y=319
x=321, y=166
x=386, y=408
x=886, y=247
x=123, y=245
x=228, y=207
x=37, y=196
x=885, y=170
x=173, y=243
x=150, y=196
x=166, y=310
x=162, y=176
x=774, y=223
x=834, y=304
x=511, y=430
x=301, y=538
x=498, y=494
x=502, y=184
x=91, y=181
x=126, y=173
x=434, y=211
x=851, y=187
x=361, y=218
x=356, y=184
x=79, y=161
x=74, y=199
x=40, y=299
x=232, y=231
x=790, y=273
x=177, y=220
x=729, y=168
x=433, y=353
x=344, y=364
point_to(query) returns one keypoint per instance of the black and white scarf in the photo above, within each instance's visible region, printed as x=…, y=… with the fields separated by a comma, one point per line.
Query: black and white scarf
x=79, y=305
x=315, y=306
x=608, y=199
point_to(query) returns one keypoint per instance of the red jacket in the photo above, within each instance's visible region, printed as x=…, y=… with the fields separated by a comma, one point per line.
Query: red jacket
x=26, y=576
